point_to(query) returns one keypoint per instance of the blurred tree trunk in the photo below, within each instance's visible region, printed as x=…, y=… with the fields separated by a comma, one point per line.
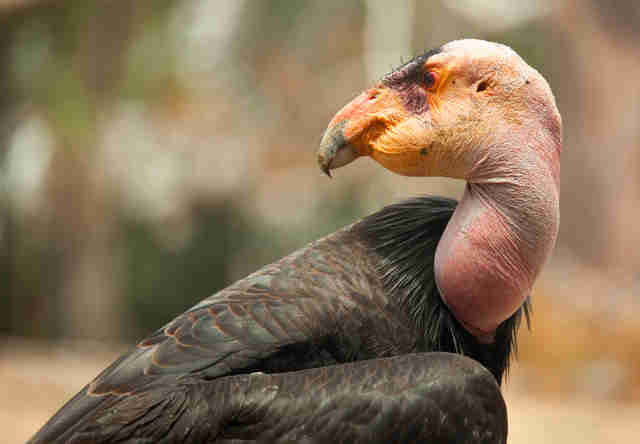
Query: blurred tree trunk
x=75, y=292
x=12, y=15
x=83, y=220
x=58, y=272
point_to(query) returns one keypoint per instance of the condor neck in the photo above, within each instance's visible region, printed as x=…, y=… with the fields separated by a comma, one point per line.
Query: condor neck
x=499, y=237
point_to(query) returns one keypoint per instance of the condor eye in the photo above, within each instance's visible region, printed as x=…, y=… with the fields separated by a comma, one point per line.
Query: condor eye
x=430, y=79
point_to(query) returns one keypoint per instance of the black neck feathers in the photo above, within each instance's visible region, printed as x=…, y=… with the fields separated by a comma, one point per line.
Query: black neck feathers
x=405, y=237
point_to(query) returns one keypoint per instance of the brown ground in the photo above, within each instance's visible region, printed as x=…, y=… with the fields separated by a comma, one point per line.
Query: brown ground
x=37, y=378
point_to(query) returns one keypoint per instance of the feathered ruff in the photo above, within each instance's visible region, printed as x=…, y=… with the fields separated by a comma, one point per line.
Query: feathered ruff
x=405, y=237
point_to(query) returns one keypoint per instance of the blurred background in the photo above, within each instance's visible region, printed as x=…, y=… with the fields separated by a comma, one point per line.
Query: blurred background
x=152, y=152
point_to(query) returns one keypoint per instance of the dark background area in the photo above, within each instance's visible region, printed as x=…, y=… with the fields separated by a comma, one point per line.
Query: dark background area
x=152, y=152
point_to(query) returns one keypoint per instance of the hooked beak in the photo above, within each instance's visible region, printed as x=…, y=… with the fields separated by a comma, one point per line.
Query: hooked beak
x=377, y=124
x=343, y=142
x=335, y=151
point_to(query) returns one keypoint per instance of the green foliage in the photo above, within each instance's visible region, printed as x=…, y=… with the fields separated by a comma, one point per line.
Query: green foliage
x=161, y=280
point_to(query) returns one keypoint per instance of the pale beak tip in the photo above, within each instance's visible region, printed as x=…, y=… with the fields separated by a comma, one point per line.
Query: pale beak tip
x=325, y=165
x=334, y=150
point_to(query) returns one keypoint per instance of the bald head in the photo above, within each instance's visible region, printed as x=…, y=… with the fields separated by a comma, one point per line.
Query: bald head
x=445, y=111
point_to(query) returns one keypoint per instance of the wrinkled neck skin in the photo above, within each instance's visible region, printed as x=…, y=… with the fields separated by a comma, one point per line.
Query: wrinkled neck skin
x=502, y=231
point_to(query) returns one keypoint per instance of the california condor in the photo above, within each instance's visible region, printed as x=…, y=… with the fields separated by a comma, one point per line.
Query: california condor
x=398, y=328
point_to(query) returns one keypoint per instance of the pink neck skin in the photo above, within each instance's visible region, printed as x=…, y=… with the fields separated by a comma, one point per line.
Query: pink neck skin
x=502, y=232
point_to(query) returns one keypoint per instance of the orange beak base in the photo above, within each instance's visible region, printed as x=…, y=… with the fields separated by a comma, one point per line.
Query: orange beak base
x=353, y=130
x=376, y=124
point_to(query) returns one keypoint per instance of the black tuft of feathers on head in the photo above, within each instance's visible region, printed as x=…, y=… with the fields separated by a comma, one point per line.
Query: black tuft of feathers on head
x=409, y=71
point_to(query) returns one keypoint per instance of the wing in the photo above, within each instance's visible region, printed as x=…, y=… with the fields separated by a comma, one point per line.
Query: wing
x=316, y=307
x=427, y=397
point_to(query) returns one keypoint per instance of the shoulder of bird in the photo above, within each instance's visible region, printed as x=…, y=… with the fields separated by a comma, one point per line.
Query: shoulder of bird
x=332, y=290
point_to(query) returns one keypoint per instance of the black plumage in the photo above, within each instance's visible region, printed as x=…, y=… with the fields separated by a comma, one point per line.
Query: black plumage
x=327, y=343
x=405, y=237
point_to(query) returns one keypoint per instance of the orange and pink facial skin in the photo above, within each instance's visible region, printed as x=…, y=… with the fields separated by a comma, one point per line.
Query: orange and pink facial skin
x=487, y=118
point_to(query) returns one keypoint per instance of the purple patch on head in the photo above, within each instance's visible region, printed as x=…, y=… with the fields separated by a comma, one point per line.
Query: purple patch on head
x=409, y=82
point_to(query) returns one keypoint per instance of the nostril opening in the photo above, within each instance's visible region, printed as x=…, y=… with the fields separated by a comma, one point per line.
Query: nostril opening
x=482, y=86
x=373, y=95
